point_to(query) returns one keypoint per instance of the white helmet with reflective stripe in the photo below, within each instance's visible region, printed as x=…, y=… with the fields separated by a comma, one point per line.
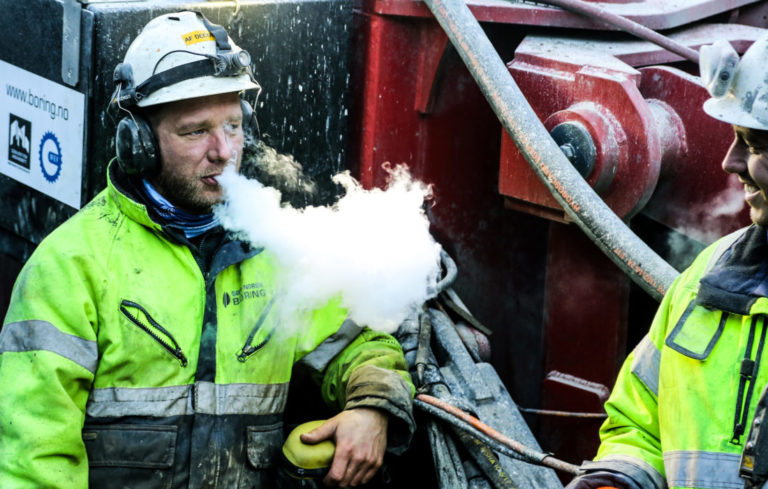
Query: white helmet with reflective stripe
x=181, y=56
x=739, y=88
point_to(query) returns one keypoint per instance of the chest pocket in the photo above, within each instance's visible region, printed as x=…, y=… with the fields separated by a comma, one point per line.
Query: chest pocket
x=696, y=332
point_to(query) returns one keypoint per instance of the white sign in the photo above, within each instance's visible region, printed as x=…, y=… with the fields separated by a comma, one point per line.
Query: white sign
x=41, y=134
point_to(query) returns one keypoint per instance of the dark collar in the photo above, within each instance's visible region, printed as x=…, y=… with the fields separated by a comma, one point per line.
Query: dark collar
x=740, y=275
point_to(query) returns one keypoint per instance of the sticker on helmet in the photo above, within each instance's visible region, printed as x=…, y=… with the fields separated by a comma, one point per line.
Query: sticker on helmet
x=197, y=36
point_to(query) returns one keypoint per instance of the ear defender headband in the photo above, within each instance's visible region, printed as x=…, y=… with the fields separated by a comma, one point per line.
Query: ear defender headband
x=136, y=146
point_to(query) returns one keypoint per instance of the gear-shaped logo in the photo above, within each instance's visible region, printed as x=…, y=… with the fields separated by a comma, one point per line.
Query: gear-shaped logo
x=50, y=157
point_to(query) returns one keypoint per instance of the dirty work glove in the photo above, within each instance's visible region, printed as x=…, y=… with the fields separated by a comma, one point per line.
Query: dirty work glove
x=602, y=478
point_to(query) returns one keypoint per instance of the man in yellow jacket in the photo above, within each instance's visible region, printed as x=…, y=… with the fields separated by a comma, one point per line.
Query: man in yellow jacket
x=124, y=361
x=682, y=412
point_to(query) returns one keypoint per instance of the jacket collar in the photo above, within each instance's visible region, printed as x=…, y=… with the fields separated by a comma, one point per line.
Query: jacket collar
x=739, y=278
x=125, y=192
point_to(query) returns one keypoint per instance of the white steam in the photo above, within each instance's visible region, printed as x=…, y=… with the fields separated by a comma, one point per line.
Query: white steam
x=707, y=222
x=727, y=203
x=372, y=248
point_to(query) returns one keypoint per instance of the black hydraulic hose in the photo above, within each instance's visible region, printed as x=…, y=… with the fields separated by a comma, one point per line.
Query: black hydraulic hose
x=466, y=427
x=495, y=440
x=547, y=160
x=446, y=456
x=422, y=349
x=623, y=23
x=485, y=459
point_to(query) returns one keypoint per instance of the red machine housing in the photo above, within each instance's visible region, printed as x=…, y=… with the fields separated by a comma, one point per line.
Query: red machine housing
x=563, y=315
x=645, y=120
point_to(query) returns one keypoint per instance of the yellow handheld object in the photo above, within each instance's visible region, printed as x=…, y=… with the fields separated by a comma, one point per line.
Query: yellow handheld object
x=304, y=461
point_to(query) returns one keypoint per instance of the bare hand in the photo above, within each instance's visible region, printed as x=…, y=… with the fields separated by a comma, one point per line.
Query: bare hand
x=361, y=440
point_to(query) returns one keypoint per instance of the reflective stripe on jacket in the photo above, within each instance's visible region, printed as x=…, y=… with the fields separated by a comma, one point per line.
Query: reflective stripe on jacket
x=683, y=402
x=127, y=360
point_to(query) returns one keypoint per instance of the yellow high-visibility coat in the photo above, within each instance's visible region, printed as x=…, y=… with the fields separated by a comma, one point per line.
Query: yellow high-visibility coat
x=683, y=403
x=129, y=359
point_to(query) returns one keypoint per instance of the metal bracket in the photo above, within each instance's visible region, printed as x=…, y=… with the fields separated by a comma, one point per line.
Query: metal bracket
x=70, y=42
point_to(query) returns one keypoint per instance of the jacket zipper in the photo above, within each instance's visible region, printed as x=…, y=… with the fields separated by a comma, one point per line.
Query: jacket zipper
x=173, y=347
x=747, y=375
x=249, y=349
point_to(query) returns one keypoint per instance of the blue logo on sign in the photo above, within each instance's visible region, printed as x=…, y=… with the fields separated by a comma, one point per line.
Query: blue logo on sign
x=50, y=157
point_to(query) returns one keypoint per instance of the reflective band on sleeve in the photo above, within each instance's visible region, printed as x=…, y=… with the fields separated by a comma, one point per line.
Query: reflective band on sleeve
x=180, y=400
x=321, y=356
x=703, y=469
x=646, y=364
x=24, y=336
x=636, y=469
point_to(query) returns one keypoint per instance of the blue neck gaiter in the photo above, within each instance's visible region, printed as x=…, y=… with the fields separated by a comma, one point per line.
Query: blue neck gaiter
x=191, y=225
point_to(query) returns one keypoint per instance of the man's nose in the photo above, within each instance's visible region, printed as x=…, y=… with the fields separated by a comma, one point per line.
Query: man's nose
x=735, y=160
x=223, y=145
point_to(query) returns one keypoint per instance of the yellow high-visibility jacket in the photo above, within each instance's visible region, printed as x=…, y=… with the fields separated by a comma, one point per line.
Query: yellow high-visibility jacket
x=130, y=359
x=683, y=403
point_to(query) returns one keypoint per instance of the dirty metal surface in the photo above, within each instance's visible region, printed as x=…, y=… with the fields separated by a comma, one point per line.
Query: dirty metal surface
x=694, y=196
x=623, y=53
x=655, y=14
x=647, y=124
x=586, y=309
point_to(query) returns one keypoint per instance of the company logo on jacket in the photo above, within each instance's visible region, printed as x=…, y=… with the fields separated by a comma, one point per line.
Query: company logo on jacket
x=248, y=291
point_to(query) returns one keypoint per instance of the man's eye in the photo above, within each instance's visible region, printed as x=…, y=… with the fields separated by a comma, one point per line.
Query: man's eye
x=196, y=132
x=232, y=126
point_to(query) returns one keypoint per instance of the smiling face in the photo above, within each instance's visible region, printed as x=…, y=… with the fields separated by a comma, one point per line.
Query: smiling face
x=197, y=138
x=748, y=159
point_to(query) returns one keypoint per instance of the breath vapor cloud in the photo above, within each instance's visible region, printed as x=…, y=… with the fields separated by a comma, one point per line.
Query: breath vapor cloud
x=372, y=248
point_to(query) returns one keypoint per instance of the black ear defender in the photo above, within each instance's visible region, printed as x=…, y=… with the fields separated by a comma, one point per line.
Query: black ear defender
x=135, y=143
x=136, y=147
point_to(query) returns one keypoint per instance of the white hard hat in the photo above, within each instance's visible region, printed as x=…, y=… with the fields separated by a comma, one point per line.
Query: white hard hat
x=739, y=89
x=181, y=56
